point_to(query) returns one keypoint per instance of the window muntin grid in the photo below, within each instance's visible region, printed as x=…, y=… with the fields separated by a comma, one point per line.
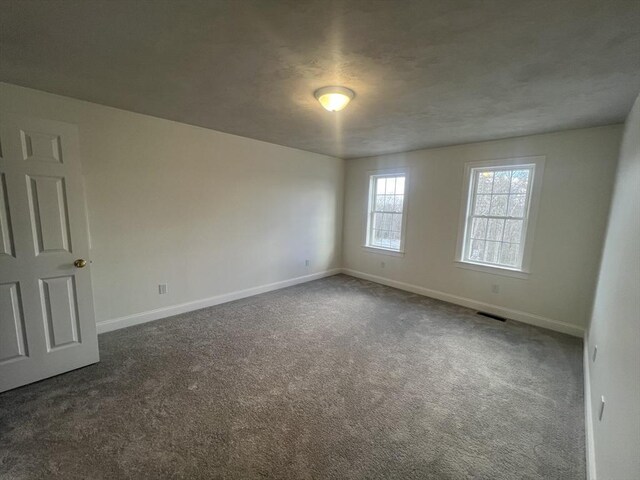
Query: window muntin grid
x=386, y=210
x=497, y=215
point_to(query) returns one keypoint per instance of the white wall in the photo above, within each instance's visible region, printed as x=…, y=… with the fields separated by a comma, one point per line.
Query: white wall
x=210, y=213
x=576, y=190
x=615, y=324
x=205, y=212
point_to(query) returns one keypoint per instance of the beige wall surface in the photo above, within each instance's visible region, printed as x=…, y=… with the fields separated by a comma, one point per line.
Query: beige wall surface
x=615, y=324
x=205, y=212
x=210, y=213
x=576, y=190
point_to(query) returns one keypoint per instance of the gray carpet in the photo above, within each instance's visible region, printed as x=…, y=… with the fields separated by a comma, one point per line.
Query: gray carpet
x=337, y=378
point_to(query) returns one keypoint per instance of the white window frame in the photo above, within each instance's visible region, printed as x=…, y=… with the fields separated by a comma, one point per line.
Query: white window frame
x=372, y=176
x=531, y=213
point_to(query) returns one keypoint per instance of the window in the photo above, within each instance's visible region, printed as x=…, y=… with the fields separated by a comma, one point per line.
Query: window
x=498, y=211
x=387, y=207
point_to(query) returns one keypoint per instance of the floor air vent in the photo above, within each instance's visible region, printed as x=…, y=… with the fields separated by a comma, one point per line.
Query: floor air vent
x=491, y=315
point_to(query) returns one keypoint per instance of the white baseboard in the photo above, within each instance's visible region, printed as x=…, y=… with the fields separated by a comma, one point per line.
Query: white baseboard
x=476, y=305
x=158, y=313
x=588, y=416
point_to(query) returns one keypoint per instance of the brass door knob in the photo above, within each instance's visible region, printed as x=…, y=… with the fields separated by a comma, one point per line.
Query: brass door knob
x=80, y=263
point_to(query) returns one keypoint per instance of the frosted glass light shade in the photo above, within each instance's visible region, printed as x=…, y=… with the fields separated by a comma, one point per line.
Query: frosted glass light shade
x=334, y=99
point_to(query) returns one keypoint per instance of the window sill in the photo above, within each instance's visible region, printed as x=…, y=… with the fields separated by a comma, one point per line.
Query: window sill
x=384, y=251
x=506, y=272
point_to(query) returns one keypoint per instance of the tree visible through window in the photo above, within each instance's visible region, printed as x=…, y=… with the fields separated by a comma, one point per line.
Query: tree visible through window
x=386, y=210
x=497, y=215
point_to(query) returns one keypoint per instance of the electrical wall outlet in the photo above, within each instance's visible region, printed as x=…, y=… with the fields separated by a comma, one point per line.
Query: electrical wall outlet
x=306, y=263
x=382, y=264
x=162, y=288
x=495, y=288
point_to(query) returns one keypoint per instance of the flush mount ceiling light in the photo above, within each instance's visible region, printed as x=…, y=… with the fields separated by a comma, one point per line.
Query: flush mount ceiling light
x=334, y=99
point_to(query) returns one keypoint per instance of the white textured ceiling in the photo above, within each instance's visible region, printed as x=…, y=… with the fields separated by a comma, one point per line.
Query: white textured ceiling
x=426, y=73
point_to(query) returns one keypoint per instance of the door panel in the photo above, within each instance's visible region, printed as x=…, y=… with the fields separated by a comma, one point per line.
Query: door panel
x=60, y=311
x=6, y=235
x=12, y=334
x=47, y=323
x=42, y=147
x=49, y=213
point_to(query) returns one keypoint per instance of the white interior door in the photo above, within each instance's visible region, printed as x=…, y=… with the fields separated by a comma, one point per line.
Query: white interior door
x=47, y=323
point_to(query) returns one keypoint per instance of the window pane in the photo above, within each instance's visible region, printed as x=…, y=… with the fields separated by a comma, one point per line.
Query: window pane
x=491, y=252
x=501, y=181
x=391, y=186
x=388, y=203
x=377, y=221
x=476, y=250
x=483, y=202
x=494, y=229
x=395, y=240
x=396, y=223
x=485, y=182
x=513, y=231
x=516, y=205
x=498, y=192
x=519, y=181
x=398, y=201
x=385, y=228
x=509, y=254
x=498, y=205
x=479, y=228
x=386, y=222
x=380, y=223
x=378, y=237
